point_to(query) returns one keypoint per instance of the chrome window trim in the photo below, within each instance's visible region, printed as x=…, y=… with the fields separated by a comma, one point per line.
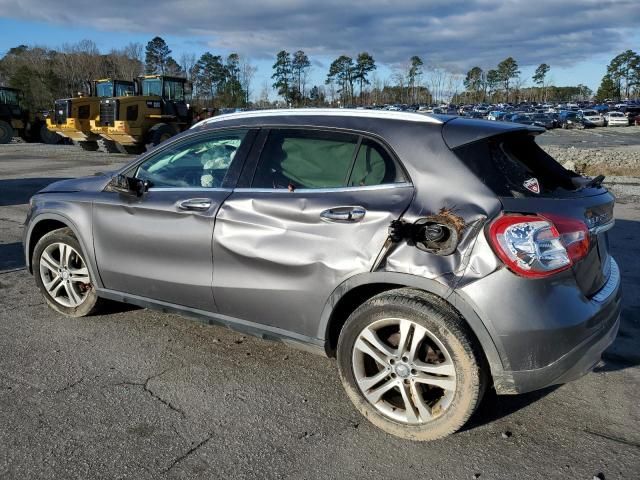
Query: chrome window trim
x=612, y=283
x=385, y=186
x=189, y=189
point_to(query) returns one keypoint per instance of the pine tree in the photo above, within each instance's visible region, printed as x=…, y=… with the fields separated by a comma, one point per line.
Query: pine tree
x=365, y=64
x=282, y=75
x=157, y=53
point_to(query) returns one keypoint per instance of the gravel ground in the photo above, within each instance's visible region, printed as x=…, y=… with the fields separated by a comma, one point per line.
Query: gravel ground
x=611, y=151
x=134, y=393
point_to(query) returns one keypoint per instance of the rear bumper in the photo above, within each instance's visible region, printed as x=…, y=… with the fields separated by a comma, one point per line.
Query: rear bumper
x=573, y=365
x=546, y=332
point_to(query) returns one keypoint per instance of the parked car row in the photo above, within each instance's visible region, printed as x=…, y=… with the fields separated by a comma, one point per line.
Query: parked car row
x=547, y=115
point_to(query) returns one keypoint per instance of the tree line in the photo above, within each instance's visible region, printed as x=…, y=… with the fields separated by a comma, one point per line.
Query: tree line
x=46, y=74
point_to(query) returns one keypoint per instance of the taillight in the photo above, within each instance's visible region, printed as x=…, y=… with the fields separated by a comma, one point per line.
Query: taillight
x=537, y=246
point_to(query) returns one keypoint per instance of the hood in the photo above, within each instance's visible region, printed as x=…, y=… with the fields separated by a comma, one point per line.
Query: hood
x=95, y=183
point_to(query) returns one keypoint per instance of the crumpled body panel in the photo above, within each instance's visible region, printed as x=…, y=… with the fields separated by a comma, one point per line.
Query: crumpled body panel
x=275, y=249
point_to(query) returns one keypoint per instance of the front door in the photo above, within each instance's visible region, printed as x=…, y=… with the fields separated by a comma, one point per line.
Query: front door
x=159, y=246
x=314, y=214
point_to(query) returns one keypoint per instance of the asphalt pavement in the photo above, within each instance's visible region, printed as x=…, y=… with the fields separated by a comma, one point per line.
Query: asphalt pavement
x=134, y=393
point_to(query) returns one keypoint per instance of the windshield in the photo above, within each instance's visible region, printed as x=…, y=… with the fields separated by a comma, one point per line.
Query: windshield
x=124, y=89
x=590, y=113
x=9, y=97
x=104, y=89
x=152, y=86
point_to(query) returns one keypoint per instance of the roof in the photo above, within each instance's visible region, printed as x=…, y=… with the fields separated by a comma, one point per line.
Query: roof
x=326, y=112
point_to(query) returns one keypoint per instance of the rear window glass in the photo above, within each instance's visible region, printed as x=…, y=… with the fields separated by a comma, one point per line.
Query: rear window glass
x=504, y=163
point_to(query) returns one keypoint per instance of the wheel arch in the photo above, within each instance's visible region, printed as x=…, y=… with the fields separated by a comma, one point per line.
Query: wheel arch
x=359, y=288
x=44, y=223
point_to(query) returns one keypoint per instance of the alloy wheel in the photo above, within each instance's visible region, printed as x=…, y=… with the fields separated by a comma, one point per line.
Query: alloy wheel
x=64, y=274
x=404, y=371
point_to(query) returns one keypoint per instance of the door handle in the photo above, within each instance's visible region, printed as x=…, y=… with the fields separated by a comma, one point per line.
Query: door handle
x=197, y=204
x=343, y=214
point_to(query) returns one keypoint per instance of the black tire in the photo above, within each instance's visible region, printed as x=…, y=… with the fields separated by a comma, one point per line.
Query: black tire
x=89, y=146
x=159, y=133
x=445, y=324
x=6, y=132
x=91, y=302
x=49, y=137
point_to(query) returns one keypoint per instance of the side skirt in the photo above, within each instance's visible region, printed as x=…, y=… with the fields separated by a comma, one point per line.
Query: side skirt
x=265, y=332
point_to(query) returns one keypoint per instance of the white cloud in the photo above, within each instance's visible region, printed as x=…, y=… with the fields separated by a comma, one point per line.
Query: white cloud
x=453, y=33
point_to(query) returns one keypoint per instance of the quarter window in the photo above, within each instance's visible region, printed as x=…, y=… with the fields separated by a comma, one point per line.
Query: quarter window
x=374, y=166
x=201, y=163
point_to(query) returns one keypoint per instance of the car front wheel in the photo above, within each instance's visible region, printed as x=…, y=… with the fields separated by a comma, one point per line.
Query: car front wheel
x=411, y=365
x=62, y=275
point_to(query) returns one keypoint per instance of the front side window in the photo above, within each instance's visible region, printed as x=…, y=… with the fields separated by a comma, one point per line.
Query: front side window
x=173, y=91
x=293, y=159
x=200, y=163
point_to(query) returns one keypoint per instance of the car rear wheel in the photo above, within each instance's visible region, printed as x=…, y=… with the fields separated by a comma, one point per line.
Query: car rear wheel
x=410, y=365
x=61, y=273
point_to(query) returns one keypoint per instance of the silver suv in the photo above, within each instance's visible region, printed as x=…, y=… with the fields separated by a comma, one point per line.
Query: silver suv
x=433, y=256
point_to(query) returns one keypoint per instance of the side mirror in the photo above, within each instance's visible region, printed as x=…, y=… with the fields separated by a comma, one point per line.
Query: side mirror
x=128, y=185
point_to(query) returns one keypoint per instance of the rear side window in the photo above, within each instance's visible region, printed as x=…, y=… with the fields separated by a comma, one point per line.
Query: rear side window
x=504, y=163
x=305, y=159
x=312, y=159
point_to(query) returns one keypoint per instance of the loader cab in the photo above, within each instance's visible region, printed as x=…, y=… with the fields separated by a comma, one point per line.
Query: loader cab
x=113, y=88
x=173, y=93
x=13, y=118
x=11, y=104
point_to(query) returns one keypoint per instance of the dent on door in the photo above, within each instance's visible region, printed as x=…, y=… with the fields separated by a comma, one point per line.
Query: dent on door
x=277, y=257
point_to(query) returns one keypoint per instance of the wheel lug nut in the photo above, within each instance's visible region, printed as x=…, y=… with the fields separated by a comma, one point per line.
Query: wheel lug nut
x=393, y=375
x=414, y=371
x=392, y=361
x=406, y=381
x=405, y=359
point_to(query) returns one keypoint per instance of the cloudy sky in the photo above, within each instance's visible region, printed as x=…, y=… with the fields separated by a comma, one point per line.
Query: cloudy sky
x=576, y=37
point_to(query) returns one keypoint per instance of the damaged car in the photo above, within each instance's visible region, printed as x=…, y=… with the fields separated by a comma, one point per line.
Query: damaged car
x=434, y=257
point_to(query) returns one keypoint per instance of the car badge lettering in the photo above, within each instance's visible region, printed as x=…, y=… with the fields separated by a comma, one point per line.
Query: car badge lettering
x=532, y=185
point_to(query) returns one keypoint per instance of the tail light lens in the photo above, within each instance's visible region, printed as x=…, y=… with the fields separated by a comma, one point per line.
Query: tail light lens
x=537, y=246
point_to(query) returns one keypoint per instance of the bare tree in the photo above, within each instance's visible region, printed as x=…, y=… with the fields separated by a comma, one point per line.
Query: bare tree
x=247, y=73
x=187, y=62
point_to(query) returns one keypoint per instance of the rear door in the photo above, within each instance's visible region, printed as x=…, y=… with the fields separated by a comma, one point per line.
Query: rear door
x=314, y=212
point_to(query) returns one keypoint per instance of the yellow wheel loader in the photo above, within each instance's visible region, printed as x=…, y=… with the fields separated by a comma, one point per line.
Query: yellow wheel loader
x=73, y=117
x=157, y=112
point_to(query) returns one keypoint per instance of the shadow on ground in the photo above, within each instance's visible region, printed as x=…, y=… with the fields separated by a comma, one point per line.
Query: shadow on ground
x=495, y=407
x=17, y=191
x=11, y=256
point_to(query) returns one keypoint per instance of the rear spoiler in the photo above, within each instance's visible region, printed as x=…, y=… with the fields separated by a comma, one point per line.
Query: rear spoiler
x=462, y=131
